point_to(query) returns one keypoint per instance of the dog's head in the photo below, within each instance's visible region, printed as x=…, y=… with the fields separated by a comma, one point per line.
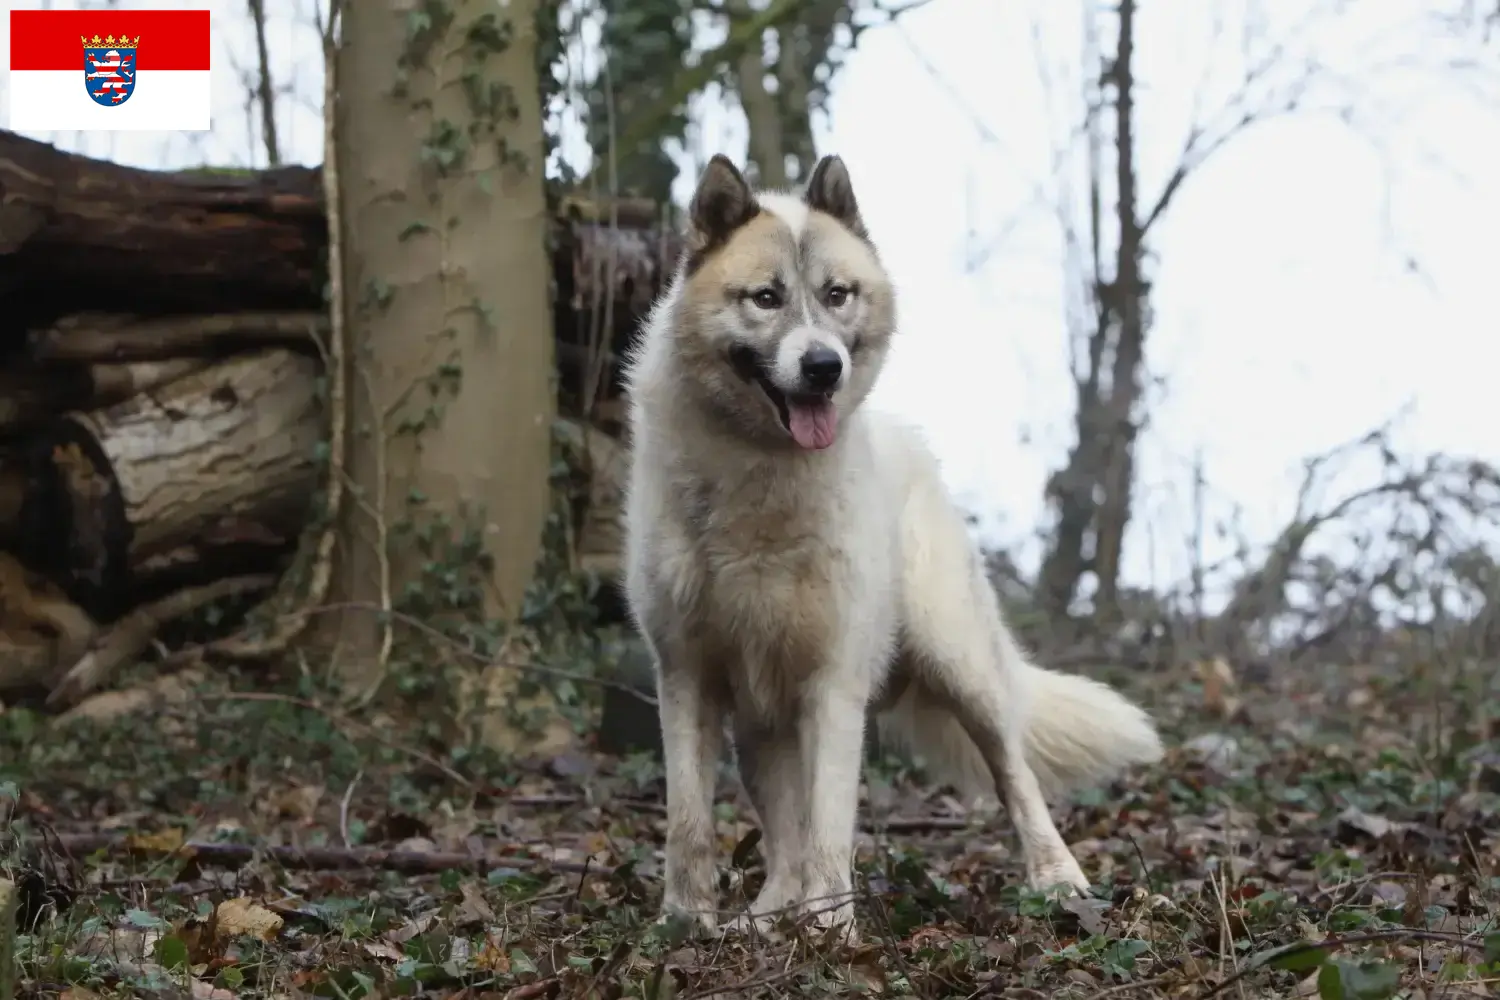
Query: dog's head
x=785, y=313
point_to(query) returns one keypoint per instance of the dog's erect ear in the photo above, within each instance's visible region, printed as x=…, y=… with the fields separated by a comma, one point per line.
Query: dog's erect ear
x=830, y=190
x=722, y=204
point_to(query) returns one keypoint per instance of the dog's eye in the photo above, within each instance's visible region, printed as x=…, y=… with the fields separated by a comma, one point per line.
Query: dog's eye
x=766, y=298
x=837, y=296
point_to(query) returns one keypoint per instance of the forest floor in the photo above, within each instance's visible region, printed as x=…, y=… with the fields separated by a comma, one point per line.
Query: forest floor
x=1333, y=832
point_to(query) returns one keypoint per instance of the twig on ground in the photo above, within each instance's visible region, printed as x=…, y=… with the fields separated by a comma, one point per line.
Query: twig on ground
x=1264, y=959
x=1121, y=988
x=316, y=858
x=754, y=983
x=344, y=808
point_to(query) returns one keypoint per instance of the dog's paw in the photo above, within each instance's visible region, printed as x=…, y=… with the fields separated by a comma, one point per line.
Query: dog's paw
x=832, y=910
x=1058, y=872
x=765, y=927
x=682, y=919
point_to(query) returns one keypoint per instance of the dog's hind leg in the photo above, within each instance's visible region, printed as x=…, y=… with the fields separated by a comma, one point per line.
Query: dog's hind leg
x=692, y=728
x=957, y=650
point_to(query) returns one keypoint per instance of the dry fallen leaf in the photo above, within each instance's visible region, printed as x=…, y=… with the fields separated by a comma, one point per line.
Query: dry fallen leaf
x=208, y=991
x=300, y=802
x=242, y=916
x=379, y=949
x=1218, y=687
x=163, y=841
x=492, y=956
x=472, y=909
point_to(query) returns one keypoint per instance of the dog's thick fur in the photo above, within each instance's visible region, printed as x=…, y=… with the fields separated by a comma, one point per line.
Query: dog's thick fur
x=793, y=560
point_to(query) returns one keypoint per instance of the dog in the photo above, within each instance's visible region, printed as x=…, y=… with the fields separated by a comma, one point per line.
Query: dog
x=793, y=561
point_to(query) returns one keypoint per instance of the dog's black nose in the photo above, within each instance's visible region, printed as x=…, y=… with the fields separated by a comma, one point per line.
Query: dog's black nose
x=821, y=368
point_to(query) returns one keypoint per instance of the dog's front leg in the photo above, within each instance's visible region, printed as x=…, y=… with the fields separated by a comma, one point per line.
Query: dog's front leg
x=692, y=728
x=771, y=768
x=832, y=730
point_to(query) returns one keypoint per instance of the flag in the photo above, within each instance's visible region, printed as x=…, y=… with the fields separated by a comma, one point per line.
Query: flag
x=109, y=69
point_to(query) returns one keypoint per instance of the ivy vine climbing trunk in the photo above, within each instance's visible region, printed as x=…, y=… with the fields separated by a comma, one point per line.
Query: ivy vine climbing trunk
x=440, y=157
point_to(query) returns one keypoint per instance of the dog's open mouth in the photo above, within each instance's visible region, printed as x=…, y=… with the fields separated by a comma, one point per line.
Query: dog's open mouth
x=810, y=418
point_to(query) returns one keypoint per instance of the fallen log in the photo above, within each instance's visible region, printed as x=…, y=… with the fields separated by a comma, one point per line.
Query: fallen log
x=12, y=497
x=35, y=394
x=29, y=395
x=111, y=489
x=107, y=337
x=95, y=235
x=87, y=235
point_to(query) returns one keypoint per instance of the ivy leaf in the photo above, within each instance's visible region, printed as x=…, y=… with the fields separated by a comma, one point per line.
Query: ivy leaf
x=1344, y=980
x=172, y=952
x=1304, y=956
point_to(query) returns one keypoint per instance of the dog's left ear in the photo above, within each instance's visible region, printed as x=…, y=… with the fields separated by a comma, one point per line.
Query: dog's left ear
x=830, y=190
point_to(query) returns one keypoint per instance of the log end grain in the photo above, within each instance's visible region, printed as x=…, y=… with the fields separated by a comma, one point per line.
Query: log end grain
x=73, y=525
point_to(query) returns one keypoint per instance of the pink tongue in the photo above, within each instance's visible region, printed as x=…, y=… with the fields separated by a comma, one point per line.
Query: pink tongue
x=814, y=424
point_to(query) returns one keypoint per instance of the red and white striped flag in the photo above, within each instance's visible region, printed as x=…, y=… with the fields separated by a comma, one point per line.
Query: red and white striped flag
x=110, y=69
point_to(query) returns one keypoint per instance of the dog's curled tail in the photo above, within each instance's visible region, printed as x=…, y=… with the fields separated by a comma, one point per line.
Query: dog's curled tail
x=1079, y=733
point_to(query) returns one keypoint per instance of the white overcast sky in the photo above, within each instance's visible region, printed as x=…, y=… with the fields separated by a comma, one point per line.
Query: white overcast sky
x=1289, y=318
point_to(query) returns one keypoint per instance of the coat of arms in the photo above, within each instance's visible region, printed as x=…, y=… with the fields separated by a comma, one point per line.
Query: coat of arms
x=109, y=68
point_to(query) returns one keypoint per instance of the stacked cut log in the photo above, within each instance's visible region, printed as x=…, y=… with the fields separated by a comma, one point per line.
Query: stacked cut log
x=161, y=337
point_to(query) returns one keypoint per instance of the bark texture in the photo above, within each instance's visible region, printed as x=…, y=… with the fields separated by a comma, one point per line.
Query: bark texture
x=445, y=227
x=115, y=489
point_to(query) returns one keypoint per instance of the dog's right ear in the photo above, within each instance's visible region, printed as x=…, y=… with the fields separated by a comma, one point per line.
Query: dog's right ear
x=722, y=203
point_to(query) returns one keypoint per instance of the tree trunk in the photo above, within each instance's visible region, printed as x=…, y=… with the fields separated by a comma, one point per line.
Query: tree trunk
x=1118, y=472
x=114, y=489
x=1092, y=492
x=761, y=112
x=448, y=303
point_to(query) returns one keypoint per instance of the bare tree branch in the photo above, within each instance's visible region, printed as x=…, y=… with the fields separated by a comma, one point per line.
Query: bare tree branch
x=265, y=90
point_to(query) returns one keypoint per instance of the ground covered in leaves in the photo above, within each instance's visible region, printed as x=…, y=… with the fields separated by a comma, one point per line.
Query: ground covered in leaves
x=1330, y=832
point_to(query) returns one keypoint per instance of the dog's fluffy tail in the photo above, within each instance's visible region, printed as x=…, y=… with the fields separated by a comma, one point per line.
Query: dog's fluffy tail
x=1079, y=733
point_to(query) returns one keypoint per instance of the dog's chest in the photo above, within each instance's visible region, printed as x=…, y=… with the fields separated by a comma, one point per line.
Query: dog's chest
x=776, y=577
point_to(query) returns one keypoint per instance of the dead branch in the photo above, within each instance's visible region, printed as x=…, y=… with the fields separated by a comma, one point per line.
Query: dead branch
x=344, y=859
x=311, y=858
x=265, y=91
x=131, y=635
x=40, y=628
x=1415, y=529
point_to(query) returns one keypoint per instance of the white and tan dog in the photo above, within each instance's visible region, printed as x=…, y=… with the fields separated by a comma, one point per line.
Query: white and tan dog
x=793, y=560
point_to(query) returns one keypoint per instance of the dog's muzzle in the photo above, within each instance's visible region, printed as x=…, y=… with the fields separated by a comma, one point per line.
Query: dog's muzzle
x=808, y=415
